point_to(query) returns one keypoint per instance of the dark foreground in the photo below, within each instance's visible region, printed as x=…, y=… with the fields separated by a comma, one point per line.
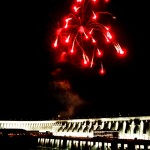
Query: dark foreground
x=17, y=138
x=22, y=139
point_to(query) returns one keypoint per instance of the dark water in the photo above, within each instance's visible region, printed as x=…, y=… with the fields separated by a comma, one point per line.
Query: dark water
x=23, y=148
x=45, y=148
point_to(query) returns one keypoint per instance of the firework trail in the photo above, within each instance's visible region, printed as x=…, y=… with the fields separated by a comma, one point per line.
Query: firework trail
x=82, y=33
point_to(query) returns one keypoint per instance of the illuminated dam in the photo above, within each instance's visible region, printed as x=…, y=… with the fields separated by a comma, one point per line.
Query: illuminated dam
x=128, y=127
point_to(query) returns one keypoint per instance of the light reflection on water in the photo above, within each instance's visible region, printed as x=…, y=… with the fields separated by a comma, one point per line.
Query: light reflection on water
x=37, y=148
x=46, y=148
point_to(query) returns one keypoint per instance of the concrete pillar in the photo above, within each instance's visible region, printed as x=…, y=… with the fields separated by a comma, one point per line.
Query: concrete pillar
x=109, y=124
x=124, y=128
x=116, y=125
x=132, y=126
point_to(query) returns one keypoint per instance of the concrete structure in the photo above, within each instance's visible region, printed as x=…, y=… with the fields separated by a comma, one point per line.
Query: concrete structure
x=128, y=127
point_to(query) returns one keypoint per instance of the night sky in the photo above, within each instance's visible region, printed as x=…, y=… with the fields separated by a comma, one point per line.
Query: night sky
x=35, y=87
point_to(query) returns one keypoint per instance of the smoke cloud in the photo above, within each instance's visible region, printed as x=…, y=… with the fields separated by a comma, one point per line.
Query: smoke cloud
x=63, y=92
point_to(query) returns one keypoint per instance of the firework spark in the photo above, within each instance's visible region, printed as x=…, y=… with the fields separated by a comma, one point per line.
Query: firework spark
x=82, y=33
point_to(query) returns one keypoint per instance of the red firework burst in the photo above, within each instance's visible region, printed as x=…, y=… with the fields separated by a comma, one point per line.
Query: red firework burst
x=82, y=33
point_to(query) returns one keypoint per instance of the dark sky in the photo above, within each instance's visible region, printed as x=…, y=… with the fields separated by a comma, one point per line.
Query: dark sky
x=35, y=87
